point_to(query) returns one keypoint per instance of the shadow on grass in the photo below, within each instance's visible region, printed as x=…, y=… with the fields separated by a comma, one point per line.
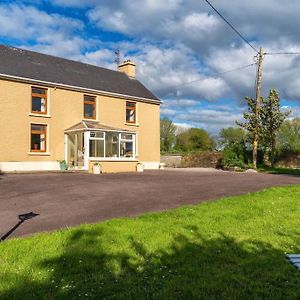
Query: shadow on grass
x=191, y=267
x=281, y=171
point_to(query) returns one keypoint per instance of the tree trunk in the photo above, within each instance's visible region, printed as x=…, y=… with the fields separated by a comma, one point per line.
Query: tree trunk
x=272, y=152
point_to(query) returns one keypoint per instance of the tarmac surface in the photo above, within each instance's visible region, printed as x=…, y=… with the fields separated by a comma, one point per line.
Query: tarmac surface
x=68, y=199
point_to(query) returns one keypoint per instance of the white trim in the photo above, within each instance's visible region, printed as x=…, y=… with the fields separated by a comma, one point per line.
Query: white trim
x=25, y=166
x=98, y=129
x=39, y=153
x=151, y=165
x=132, y=124
x=86, y=146
x=66, y=148
x=136, y=145
x=76, y=88
x=39, y=115
x=90, y=120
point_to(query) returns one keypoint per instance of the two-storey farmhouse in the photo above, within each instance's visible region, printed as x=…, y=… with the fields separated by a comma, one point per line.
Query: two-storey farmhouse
x=54, y=109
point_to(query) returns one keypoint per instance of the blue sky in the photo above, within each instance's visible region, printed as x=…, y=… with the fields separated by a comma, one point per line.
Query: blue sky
x=172, y=42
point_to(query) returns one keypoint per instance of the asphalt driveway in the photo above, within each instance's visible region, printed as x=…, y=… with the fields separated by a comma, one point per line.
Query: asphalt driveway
x=68, y=199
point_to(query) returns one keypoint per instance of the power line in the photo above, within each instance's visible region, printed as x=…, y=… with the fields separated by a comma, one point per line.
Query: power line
x=282, y=53
x=213, y=74
x=231, y=26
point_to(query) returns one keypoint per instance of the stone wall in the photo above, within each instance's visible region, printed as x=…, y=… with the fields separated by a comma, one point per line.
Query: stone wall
x=289, y=161
x=171, y=161
x=201, y=160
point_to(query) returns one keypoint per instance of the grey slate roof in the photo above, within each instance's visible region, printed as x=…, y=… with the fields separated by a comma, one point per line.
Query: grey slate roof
x=38, y=66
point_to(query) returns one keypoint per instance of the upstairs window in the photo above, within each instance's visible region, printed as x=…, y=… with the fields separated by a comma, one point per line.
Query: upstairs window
x=130, y=112
x=38, y=100
x=38, y=137
x=89, y=107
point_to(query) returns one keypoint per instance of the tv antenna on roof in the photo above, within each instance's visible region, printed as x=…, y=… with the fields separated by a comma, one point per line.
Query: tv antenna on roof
x=117, y=57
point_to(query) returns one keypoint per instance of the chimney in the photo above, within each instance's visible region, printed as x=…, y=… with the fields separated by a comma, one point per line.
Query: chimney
x=127, y=67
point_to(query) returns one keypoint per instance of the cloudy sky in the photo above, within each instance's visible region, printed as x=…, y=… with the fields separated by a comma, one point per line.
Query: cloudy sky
x=180, y=47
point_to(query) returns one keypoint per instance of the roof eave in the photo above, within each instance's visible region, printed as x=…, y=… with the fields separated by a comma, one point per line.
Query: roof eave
x=76, y=88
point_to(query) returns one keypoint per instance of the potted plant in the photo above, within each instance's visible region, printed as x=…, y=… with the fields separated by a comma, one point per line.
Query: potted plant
x=63, y=165
x=96, y=168
x=139, y=167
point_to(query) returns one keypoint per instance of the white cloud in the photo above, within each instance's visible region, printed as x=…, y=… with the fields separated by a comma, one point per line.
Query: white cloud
x=173, y=42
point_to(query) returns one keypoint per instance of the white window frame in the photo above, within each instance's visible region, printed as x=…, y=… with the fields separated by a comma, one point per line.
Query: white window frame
x=97, y=139
x=133, y=140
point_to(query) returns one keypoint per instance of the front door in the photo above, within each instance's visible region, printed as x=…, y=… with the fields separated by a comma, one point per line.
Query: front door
x=76, y=150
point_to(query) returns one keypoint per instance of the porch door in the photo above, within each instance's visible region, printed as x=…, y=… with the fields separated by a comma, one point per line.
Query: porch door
x=76, y=150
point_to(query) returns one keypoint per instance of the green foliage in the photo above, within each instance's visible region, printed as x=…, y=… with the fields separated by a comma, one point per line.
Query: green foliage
x=228, y=249
x=194, y=139
x=232, y=140
x=271, y=119
x=231, y=136
x=167, y=134
x=268, y=121
x=233, y=156
x=250, y=118
x=288, y=137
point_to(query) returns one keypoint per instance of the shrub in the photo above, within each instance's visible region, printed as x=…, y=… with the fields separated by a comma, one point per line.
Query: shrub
x=233, y=157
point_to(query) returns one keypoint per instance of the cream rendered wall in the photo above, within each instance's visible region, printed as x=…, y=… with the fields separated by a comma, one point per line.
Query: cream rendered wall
x=65, y=108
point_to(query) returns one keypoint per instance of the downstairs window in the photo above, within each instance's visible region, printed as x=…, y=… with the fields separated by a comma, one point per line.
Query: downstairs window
x=38, y=137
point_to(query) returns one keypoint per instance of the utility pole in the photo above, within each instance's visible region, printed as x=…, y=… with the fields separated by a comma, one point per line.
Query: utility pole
x=257, y=106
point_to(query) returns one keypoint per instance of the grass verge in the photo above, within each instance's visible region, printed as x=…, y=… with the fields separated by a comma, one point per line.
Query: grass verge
x=229, y=249
x=289, y=171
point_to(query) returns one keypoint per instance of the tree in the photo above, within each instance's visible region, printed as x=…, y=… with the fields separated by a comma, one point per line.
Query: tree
x=268, y=119
x=271, y=119
x=253, y=123
x=167, y=134
x=194, y=139
x=230, y=136
x=288, y=137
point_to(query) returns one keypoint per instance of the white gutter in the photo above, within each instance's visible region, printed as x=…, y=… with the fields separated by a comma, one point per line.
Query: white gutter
x=76, y=88
x=98, y=129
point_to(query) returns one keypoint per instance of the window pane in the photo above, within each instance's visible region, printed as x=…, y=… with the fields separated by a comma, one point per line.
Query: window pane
x=90, y=98
x=112, y=144
x=38, y=104
x=96, y=148
x=126, y=136
x=127, y=149
x=38, y=140
x=130, y=104
x=89, y=110
x=38, y=91
x=130, y=115
x=97, y=134
x=38, y=127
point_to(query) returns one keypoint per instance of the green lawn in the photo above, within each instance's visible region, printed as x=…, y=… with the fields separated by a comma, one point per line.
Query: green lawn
x=229, y=249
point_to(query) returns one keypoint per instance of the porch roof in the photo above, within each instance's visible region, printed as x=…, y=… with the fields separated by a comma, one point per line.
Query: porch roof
x=94, y=126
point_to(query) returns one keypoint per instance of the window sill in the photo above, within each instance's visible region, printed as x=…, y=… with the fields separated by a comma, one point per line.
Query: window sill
x=90, y=120
x=39, y=115
x=39, y=153
x=132, y=124
x=112, y=159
